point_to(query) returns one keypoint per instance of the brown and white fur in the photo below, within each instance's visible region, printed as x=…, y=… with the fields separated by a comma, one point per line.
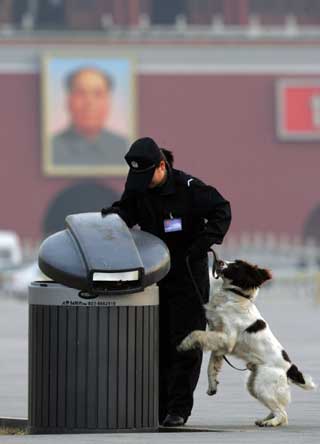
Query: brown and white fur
x=237, y=328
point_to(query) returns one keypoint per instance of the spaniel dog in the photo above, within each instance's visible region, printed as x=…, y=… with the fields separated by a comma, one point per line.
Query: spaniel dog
x=237, y=328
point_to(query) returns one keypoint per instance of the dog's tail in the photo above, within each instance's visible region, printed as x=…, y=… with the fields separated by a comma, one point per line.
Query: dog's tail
x=303, y=381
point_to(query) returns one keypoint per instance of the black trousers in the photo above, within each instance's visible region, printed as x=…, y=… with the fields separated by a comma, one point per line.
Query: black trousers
x=181, y=312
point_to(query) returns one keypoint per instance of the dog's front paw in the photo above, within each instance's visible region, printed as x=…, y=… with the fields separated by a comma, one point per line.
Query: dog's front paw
x=211, y=392
x=189, y=342
x=213, y=388
x=185, y=345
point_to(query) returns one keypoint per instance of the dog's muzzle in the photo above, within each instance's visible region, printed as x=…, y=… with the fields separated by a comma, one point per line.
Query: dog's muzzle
x=219, y=267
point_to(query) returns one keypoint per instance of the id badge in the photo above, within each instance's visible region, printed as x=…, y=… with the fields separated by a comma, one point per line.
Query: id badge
x=171, y=225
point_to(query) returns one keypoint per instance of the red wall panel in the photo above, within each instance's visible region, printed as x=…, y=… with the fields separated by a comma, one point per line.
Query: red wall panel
x=220, y=127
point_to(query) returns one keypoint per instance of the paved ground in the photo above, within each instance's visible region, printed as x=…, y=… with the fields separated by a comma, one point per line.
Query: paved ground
x=294, y=318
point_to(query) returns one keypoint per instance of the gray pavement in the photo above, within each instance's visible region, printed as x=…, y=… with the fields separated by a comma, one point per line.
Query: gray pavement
x=230, y=414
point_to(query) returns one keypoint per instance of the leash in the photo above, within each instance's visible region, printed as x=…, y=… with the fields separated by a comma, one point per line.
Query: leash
x=231, y=365
x=215, y=256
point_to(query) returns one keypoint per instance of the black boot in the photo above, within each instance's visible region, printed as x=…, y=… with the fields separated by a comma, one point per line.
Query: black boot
x=173, y=421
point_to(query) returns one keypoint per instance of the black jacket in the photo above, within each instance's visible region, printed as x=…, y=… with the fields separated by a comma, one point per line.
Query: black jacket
x=204, y=213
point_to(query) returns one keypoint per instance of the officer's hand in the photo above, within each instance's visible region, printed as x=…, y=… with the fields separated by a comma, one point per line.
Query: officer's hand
x=109, y=210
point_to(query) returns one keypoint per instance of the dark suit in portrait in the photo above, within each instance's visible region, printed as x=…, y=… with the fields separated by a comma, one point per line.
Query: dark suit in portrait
x=71, y=148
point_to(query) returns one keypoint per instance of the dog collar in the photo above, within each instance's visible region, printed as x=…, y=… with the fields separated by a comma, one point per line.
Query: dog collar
x=238, y=292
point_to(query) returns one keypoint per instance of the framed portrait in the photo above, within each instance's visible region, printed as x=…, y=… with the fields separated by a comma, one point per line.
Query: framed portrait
x=88, y=114
x=298, y=109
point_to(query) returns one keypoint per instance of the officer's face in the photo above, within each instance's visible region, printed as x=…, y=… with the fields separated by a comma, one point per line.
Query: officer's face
x=89, y=102
x=159, y=175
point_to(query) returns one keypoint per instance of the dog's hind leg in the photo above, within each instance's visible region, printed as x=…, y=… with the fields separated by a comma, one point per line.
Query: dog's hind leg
x=270, y=387
x=260, y=422
x=214, y=367
x=251, y=389
x=277, y=418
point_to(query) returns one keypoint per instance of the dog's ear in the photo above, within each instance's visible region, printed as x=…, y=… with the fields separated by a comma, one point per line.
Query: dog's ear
x=263, y=275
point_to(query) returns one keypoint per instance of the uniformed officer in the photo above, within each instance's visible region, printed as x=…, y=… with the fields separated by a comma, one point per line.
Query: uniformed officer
x=189, y=217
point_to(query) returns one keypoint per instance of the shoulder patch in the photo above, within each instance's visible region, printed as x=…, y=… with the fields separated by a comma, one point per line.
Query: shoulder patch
x=258, y=325
x=187, y=180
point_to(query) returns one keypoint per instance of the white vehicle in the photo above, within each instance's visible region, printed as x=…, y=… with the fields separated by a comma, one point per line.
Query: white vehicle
x=10, y=250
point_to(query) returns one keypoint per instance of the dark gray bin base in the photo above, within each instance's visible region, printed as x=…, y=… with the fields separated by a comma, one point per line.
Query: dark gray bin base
x=93, y=366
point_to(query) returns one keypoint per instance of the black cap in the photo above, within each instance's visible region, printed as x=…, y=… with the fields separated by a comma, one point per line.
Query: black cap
x=143, y=158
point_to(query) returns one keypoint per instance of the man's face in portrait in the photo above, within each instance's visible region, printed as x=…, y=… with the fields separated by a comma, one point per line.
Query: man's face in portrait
x=89, y=102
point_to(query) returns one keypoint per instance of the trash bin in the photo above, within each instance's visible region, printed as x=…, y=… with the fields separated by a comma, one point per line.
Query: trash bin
x=93, y=330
